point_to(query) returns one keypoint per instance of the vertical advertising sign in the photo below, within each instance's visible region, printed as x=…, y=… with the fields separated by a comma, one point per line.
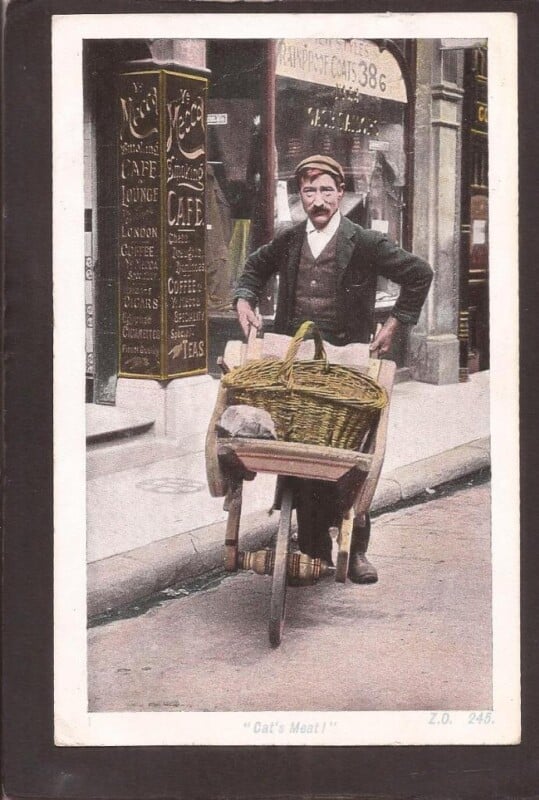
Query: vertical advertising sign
x=162, y=277
x=186, y=325
x=139, y=227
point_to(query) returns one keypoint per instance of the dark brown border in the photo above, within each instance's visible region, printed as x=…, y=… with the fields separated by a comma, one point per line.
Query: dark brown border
x=32, y=766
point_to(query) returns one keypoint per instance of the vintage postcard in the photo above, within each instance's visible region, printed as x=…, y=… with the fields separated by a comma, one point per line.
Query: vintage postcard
x=214, y=170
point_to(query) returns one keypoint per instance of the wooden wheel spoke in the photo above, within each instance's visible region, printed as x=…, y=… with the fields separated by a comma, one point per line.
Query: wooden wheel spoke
x=345, y=539
x=278, y=586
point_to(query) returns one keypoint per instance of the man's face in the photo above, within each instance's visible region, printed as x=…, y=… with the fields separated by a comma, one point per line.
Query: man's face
x=320, y=197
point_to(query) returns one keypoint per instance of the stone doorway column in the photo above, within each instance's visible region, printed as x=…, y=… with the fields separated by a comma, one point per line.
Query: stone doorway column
x=434, y=344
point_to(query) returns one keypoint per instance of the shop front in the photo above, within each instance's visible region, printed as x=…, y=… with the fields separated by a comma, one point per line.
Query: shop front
x=278, y=102
x=376, y=106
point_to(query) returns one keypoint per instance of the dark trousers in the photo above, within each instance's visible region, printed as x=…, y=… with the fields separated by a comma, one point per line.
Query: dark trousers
x=318, y=509
x=317, y=503
x=316, y=512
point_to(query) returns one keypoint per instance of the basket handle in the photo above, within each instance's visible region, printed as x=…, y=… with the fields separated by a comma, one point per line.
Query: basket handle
x=285, y=372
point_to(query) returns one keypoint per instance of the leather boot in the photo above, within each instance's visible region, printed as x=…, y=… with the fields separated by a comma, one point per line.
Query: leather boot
x=360, y=569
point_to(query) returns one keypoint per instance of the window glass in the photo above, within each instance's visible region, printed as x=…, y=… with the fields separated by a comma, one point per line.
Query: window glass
x=347, y=99
x=234, y=164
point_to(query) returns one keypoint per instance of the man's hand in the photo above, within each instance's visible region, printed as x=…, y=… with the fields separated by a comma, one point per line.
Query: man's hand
x=246, y=316
x=384, y=338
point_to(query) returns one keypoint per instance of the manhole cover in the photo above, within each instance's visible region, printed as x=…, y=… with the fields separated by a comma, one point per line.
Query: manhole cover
x=171, y=485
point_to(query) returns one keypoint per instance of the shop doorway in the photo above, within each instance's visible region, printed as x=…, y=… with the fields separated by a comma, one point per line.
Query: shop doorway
x=474, y=277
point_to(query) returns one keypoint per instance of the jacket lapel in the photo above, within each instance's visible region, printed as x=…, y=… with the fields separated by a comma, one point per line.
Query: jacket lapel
x=344, y=247
x=294, y=253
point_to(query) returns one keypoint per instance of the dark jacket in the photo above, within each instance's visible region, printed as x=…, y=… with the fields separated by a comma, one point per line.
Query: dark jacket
x=361, y=256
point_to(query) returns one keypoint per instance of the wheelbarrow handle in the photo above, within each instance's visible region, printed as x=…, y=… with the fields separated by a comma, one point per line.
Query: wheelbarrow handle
x=253, y=348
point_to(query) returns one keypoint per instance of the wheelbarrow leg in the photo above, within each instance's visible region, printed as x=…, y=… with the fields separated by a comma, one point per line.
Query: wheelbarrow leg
x=233, y=506
x=345, y=540
x=278, y=586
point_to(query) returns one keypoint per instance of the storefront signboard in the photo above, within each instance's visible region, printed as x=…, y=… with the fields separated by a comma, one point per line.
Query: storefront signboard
x=162, y=174
x=355, y=65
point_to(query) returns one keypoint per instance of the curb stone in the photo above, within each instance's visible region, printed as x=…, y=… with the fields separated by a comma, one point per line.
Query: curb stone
x=118, y=581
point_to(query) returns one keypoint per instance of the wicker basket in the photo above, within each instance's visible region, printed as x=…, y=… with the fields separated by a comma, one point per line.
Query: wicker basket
x=309, y=401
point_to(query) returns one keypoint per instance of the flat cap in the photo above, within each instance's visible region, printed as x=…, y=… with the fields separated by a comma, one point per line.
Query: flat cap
x=323, y=163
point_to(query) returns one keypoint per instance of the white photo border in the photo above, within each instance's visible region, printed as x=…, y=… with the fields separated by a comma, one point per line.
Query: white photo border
x=74, y=725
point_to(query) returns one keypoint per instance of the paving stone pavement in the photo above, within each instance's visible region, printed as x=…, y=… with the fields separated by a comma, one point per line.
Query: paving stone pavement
x=419, y=639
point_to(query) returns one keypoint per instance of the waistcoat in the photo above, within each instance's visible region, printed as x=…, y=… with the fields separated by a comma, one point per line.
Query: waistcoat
x=316, y=288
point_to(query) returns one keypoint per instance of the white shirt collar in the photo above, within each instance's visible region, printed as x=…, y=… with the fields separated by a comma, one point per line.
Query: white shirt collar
x=329, y=229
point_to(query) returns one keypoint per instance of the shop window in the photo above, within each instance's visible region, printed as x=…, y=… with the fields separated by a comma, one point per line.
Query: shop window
x=347, y=99
x=474, y=283
x=234, y=189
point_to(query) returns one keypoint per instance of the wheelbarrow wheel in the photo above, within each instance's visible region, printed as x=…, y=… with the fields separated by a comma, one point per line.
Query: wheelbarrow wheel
x=278, y=586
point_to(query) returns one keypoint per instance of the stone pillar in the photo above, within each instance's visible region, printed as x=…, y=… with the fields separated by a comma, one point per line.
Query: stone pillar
x=434, y=344
x=181, y=52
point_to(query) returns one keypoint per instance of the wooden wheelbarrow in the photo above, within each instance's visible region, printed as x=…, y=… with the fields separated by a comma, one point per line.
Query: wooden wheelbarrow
x=230, y=461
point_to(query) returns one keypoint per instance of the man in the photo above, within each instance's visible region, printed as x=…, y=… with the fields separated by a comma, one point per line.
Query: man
x=328, y=269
